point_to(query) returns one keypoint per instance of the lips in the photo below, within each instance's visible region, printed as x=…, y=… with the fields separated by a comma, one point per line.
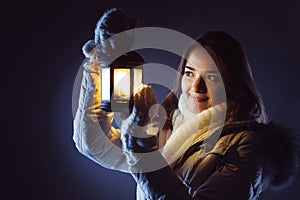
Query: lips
x=199, y=99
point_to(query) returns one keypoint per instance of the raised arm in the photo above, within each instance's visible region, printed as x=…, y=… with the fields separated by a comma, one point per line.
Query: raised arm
x=94, y=135
x=93, y=132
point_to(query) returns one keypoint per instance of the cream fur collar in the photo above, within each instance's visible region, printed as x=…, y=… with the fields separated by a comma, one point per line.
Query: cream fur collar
x=189, y=128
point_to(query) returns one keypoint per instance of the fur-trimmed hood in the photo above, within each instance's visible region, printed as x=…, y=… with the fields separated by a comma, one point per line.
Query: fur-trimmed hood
x=281, y=148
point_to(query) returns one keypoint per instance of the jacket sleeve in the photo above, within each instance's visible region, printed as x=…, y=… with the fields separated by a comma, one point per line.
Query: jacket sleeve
x=161, y=183
x=227, y=172
x=94, y=135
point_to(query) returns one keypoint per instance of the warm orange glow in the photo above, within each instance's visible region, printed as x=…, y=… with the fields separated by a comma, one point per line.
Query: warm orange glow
x=138, y=73
x=121, y=84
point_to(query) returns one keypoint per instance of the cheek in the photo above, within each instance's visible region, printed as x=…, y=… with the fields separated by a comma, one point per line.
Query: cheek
x=216, y=94
x=185, y=86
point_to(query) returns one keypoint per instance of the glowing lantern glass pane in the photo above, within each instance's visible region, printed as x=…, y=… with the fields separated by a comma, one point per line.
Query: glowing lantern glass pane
x=138, y=77
x=121, y=84
x=105, y=86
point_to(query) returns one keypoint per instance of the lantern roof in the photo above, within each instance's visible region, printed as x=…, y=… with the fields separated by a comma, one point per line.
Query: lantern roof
x=129, y=59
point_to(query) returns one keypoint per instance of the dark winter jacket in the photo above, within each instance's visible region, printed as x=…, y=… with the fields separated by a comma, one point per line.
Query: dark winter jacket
x=247, y=158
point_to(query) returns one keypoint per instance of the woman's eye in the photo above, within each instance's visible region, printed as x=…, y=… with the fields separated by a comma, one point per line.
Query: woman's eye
x=189, y=74
x=212, y=78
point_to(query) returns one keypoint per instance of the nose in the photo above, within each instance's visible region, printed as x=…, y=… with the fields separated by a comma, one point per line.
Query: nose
x=199, y=85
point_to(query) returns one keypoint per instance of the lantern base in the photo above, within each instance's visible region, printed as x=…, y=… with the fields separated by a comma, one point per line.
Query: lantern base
x=106, y=106
x=116, y=107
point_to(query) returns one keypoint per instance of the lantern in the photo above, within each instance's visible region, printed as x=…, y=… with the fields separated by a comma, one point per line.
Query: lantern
x=119, y=80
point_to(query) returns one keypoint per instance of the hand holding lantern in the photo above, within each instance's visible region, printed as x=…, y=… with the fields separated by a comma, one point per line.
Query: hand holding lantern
x=122, y=89
x=120, y=76
x=135, y=134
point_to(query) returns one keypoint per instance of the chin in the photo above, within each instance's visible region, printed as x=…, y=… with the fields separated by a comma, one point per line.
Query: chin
x=198, y=109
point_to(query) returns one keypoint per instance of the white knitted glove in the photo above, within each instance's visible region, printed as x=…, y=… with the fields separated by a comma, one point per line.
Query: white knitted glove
x=135, y=134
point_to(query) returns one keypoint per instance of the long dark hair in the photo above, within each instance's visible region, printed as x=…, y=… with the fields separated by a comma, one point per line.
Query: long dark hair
x=235, y=70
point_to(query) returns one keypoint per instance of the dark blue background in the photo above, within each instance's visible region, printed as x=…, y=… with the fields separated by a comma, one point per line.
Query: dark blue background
x=45, y=60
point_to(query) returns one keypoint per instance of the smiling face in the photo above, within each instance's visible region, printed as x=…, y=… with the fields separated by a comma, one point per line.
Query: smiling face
x=201, y=82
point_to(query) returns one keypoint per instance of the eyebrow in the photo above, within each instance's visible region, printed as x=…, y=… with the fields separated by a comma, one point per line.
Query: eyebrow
x=209, y=71
x=190, y=68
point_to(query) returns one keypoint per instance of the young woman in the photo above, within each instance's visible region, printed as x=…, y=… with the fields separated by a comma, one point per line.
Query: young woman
x=216, y=142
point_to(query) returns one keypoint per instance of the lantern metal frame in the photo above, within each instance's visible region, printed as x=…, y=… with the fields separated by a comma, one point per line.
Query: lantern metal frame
x=131, y=60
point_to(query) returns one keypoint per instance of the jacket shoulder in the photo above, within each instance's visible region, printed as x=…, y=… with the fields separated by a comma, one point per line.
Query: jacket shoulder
x=279, y=147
